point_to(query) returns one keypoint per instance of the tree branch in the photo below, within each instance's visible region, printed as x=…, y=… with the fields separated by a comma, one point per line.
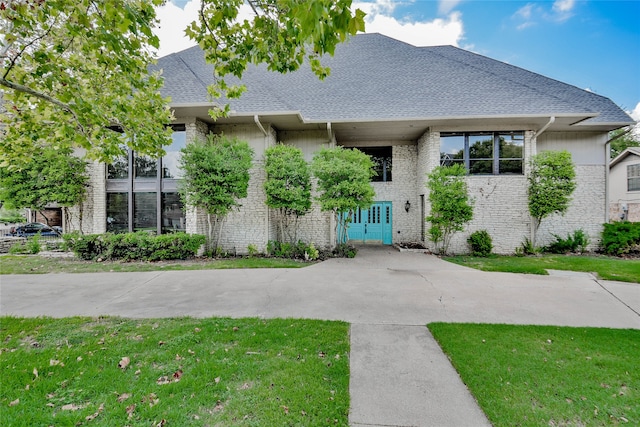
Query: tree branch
x=25, y=89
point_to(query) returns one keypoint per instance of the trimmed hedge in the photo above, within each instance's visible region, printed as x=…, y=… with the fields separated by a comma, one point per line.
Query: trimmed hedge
x=622, y=237
x=140, y=246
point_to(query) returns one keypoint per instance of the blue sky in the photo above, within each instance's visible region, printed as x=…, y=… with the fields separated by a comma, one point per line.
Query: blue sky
x=594, y=45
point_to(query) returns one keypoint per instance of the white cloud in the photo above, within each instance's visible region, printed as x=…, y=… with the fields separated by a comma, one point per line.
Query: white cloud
x=447, y=6
x=174, y=20
x=563, y=6
x=448, y=30
x=635, y=114
x=439, y=31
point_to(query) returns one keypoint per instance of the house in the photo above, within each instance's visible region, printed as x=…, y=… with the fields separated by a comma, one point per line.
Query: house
x=410, y=107
x=624, y=186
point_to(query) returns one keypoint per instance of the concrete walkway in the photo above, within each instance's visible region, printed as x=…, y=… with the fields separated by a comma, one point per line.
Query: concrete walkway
x=399, y=376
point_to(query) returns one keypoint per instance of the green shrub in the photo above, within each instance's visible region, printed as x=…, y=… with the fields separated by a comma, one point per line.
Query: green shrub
x=140, y=246
x=480, y=242
x=619, y=238
x=345, y=250
x=577, y=242
x=299, y=250
x=87, y=247
x=19, y=248
x=33, y=244
x=528, y=247
x=252, y=250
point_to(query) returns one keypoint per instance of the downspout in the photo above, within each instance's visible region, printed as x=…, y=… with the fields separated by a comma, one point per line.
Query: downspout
x=267, y=224
x=607, y=161
x=256, y=119
x=552, y=119
x=329, y=132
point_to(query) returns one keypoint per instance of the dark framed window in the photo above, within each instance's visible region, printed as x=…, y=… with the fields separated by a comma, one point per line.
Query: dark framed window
x=633, y=177
x=484, y=153
x=382, y=162
x=142, y=192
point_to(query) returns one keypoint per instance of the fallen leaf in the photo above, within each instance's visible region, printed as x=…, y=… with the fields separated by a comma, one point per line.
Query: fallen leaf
x=163, y=380
x=177, y=375
x=161, y=343
x=219, y=407
x=54, y=362
x=124, y=362
x=123, y=397
x=95, y=414
x=191, y=351
x=217, y=380
x=130, y=410
x=197, y=329
x=161, y=423
x=235, y=329
x=79, y=359
x=35, y=372
x=322, y=354
x=71, y=407
x=178, y=357
x=14, y=403
x=286, y=409
x=304, y=414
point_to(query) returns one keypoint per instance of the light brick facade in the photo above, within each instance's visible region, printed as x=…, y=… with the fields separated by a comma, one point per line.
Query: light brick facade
x=500, y=203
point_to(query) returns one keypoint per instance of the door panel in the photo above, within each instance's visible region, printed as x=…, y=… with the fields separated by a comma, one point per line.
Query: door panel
x=372, y=225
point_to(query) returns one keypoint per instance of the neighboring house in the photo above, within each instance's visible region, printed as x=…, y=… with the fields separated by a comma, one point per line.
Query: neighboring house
x=410, y=107
x=624, y=186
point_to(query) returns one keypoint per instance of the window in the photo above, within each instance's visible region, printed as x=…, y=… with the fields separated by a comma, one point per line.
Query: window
x=141, y=198
x=381, y=157
x=484, y=153
x=633, y=177
x=117, y=208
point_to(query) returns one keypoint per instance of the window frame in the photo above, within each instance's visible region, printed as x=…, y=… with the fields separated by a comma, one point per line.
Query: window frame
x=633, y=176
x=495, y=158
x=386, y=154
x=131, y=185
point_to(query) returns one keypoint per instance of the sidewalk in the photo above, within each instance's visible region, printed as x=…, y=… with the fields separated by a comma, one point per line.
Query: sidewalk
x=399, y=376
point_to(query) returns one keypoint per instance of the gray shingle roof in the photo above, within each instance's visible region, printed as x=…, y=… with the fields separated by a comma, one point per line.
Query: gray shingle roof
x=374, y=77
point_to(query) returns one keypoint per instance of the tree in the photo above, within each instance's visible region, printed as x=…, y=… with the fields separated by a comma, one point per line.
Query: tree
x=216, y=176
x=625, y=138
x=53, y=176
x=344, y=183
x=551, y=183
x=283, y=34
x=73, y=69
x=450, y=204
x=288, y=188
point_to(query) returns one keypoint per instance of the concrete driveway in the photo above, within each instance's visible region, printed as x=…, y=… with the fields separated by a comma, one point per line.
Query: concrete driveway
x=399, y=376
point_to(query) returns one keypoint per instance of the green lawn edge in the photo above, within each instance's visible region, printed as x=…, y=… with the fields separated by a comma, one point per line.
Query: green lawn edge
x=35, y=264
x=528, y=375
x=606, y=268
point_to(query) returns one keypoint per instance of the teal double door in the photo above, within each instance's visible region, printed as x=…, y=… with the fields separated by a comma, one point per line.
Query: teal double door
x=372, y=225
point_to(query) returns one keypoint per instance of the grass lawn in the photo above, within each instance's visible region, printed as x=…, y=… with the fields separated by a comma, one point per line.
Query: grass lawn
x=547, y=375
x=607, y=268
x=33, y=264
x=173, y=372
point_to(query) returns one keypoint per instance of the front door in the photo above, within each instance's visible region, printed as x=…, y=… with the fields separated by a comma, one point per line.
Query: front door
x=372, y=225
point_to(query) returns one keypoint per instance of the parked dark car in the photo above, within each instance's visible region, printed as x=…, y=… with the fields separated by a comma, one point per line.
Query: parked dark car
x=33, y=228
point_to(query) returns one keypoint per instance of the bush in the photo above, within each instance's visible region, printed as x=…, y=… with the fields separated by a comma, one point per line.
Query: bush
x=480, y=242
x=300, y=250
x=619, y=238
x=345, y=250
x=577, y=242
x=140, y=246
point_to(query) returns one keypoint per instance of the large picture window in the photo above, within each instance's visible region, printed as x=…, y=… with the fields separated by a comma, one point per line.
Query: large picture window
x=382, y=164
x=142, y=191
x=484, y=153
x=633, y=177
